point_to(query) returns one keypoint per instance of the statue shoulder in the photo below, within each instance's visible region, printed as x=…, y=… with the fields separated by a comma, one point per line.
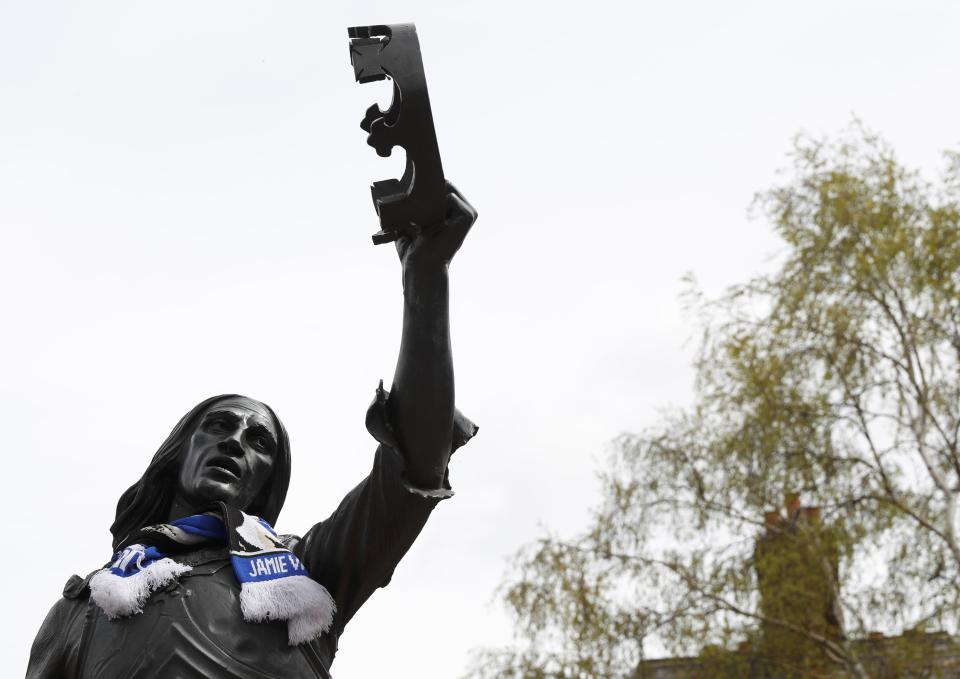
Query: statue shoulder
x=77, y=587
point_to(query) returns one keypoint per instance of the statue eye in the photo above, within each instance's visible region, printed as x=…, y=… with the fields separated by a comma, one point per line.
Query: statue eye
x=261, y=441
x=217, y=426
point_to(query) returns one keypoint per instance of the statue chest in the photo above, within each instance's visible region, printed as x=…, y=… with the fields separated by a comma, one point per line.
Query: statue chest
x=194, y=628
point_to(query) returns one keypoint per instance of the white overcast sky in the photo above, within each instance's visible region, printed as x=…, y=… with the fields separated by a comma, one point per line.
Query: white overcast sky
x=184, y=212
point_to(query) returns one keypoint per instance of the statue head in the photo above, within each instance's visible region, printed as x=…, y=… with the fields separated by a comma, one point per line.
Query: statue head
x=228, y=448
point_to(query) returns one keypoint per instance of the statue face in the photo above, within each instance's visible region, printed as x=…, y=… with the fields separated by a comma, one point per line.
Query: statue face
x=230, y=455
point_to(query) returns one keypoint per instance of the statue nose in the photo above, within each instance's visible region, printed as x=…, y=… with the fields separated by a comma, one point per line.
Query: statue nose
x=231, y=445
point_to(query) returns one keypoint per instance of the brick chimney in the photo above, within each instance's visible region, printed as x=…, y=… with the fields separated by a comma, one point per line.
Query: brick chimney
x=771, y=519
x=812, y=515
x=791, y=581
x=793, y=506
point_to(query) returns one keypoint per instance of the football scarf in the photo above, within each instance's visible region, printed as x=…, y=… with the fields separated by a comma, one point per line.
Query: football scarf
x=274, y=585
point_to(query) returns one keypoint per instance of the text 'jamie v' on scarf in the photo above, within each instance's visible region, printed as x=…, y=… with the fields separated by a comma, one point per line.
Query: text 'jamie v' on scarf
x=274, y=585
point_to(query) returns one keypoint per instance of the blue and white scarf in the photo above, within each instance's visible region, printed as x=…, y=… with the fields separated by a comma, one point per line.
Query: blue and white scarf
x=274, y=585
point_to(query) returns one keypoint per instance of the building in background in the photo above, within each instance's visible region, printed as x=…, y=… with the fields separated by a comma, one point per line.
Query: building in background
x=797, y=569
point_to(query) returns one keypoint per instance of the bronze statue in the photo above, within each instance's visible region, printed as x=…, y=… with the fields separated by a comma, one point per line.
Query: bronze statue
x=201, y=586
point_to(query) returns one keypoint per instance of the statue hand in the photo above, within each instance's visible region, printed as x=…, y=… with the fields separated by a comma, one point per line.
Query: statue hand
x=436, y=245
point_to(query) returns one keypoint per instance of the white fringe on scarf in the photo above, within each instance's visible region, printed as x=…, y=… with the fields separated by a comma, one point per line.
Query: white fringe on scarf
x=305, y=604
x=119, y=597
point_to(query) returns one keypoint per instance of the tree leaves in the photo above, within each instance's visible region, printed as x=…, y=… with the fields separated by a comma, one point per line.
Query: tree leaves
x=838, y=377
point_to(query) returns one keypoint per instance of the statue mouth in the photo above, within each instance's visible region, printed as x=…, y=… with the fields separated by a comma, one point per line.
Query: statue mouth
x=226, y=464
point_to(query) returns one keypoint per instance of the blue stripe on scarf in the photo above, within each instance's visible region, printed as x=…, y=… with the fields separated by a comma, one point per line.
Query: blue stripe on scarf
x=267, y=526
x=269, y=566
x=203, y=525
x=140, y=558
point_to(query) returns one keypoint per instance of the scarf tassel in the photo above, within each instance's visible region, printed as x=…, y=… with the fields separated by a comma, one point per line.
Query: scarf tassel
x=123, y=595
x=305, y=604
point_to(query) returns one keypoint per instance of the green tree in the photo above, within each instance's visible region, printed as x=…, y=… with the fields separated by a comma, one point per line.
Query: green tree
x=837, y=376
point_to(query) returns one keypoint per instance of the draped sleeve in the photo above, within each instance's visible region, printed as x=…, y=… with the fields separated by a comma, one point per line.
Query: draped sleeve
x=356, y=549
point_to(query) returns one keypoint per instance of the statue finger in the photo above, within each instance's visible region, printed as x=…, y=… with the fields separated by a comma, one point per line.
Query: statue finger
x=458, y=209
x=451, y=188
x=458, y=224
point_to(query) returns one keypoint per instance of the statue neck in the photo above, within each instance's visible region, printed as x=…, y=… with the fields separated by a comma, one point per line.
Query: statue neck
x=180, y=508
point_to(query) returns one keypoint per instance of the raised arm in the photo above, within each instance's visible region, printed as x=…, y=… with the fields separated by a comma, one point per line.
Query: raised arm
x=355, y=550
x=421, y=403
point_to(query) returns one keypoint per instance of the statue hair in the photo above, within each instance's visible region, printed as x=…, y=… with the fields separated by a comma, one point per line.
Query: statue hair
x=149, y=500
